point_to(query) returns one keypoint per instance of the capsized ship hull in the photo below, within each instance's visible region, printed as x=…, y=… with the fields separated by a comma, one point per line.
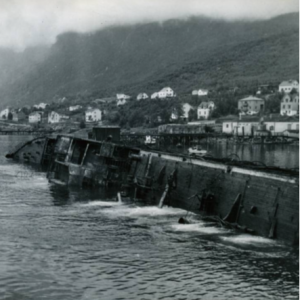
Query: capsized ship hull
x=253, y=198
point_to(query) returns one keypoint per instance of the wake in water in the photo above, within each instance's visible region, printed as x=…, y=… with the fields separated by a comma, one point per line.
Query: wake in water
x=200, y=228
x=248, y=239
x=164, y=218
x=144, y=211
x=100, y=203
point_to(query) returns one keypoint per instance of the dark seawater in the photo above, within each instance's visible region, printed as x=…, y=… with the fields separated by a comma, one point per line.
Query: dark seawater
x=59, y=243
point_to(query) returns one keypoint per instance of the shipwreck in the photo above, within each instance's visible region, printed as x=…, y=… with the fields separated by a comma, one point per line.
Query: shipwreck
x=248, y=196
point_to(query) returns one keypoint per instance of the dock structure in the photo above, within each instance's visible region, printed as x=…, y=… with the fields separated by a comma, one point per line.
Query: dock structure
x=189, y=138
x=26, y=132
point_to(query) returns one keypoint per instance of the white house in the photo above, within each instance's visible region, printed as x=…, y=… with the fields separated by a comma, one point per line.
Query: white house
x=154, y=95
x=55, y=117
x=122, y=97
x=40, y=106
x=4, y=113
x=287, y=86
x=93, y=115
x=274, y=125
x=165, y=93
x=142, y=96
x=75, y=107
x=205, y=109
x=121, y=102
x=289, y=105
x=35, y=117
x=200, y=92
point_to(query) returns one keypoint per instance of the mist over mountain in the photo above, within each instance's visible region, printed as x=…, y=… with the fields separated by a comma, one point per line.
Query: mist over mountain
x=182, y=54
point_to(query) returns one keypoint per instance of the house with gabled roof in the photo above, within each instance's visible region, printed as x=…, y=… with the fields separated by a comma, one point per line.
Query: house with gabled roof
x=35, y=117
x=288, y=86
x=289, y=105
x=142, y=96
x=166, y=93
x=205, y=109
x=200, y=92
x=40, y=106
x=56, y=117
x=123, y=97
x=93, y=115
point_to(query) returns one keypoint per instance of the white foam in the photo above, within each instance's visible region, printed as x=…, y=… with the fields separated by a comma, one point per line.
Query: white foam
x=101, y=203
x=198, y=227
x=145, y=211
x=248, y=239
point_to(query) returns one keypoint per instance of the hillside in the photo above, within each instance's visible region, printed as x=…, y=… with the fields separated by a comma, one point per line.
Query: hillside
x=194, y=53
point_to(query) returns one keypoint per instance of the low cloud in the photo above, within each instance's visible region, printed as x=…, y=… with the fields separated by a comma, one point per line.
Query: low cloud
x=26, y=23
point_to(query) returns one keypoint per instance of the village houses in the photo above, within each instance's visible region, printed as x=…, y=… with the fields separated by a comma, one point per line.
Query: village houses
x=166, y=92
x=93, y=115
x=40, y=106
x=121, y=102
x=18, y=116
x=288, y=86
x=35, y=117
x=4, y=113
x=123, y=97
x=55, y=117
x=200, y=92
x=251, y=105
x=75, y=107
x=142, y=96
x=154, y=95
x=289, y=105
x=205, y=109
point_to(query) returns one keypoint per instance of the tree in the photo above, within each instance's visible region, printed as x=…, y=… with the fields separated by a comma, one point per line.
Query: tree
x=192, y=115
x=82, y=125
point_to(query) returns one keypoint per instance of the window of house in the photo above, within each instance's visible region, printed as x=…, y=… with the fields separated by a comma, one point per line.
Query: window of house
x=289, y=106
x=283, y=106
x=227, y=125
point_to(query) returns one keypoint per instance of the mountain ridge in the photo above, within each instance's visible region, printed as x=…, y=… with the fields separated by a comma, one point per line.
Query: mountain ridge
x=183, y=54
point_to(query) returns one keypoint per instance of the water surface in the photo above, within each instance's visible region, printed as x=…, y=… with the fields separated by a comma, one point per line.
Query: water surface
x=60, y=243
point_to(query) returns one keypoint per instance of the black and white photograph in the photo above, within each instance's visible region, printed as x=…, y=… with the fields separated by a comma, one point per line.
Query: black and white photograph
x=149, y=149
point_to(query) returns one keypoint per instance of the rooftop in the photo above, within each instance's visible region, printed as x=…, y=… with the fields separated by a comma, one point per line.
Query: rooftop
x=288, y=82
x=252, y=98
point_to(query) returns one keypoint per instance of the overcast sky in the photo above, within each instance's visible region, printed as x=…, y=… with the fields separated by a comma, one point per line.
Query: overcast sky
x=31, y=22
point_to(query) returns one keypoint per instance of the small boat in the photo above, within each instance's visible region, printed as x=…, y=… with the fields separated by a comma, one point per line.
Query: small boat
x=150, y=140
x=197, y=150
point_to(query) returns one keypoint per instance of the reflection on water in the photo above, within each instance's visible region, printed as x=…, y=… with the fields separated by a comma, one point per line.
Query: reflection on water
x=286, y=156
x=60, y=243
